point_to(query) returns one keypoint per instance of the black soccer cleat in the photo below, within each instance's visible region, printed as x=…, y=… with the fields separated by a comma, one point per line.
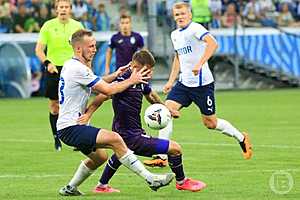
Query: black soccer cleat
x=57, y=144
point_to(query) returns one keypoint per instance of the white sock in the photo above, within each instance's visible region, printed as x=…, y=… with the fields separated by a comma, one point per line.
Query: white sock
x=181, y=182
x=226, y=128
x=82, y=173
x=131, y=162
x=165, y=134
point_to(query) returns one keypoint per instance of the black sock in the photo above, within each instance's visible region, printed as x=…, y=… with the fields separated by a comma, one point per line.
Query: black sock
x=110, y=169
x=242, y=144
x=175, y=163
x=53, y=120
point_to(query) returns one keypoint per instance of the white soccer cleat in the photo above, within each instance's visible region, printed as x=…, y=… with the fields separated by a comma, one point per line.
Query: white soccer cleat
x=70, y=191
x=157, y=181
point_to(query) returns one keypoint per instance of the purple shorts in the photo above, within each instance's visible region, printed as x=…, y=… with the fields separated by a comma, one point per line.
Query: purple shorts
x=144, y=145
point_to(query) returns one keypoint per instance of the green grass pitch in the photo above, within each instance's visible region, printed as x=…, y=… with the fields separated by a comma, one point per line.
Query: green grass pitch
x=30, y=169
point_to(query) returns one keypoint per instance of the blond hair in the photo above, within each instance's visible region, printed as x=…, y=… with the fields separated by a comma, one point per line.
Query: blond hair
x=57, y=1
x=180, y=5
x=79, y=35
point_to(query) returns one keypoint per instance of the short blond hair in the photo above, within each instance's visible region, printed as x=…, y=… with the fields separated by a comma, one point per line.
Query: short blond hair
x=79, y=35
x=180, y=5
x=57, y=1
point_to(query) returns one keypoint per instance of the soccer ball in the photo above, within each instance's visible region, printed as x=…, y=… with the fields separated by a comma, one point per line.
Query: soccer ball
x=157, y=116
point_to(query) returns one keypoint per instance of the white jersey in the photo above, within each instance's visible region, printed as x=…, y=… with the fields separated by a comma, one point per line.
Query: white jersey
x=74, y=89
x=190, y=48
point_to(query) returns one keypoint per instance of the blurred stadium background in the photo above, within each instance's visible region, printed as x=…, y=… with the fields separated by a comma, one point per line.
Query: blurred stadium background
x=258, y=58
x=259, y=46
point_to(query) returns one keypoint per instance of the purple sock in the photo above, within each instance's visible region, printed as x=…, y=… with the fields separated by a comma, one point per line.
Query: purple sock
x=175, y=163
x=110, y=169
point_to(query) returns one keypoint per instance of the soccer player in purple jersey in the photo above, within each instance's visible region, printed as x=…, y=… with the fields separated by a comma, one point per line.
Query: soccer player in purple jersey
x=127, y=122
x=75, y=85
x=125, y=42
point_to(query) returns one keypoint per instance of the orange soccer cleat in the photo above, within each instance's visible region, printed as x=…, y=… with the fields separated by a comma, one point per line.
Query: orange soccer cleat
x=246, y=147
x=156, y=163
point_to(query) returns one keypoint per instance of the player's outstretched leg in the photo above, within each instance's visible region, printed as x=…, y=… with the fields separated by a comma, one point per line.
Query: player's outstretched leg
x=212, y=122
x=127, y=158
x=175, y=163
x=155, y=181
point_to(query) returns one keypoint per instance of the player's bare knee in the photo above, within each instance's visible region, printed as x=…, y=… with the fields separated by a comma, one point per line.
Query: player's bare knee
x=115, y=138
x=174, y=149
x=117, y=142
x=210, y=123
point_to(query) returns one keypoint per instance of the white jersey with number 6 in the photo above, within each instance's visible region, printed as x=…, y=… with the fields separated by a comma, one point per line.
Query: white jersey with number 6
x=74, y=89
x=189, y=45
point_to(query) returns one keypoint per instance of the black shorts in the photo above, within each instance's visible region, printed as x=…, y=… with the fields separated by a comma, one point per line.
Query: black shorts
x=52, y=84
x=202, y=96
x=80, y=136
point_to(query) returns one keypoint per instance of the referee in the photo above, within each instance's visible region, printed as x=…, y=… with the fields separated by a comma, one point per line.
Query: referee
x=54, y=38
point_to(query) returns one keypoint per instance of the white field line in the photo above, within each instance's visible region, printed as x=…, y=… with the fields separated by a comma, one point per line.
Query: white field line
x=182, y=143
x=41, y=176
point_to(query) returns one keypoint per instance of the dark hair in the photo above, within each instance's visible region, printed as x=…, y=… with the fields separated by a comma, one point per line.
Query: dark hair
x=78, y=35
x=125, y=16
x=144, y=57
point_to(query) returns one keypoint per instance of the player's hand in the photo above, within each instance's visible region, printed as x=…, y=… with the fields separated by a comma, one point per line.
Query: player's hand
x=140, y=76
x=167, y=87
x=196, y=70
x=52, y=68
x=123, y=69
x=83, y=119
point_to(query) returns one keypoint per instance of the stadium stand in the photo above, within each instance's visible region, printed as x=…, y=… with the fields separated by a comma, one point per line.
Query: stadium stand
x=261, y=44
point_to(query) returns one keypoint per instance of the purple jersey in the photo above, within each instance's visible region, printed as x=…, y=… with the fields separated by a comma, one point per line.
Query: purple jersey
x=125, y=47
x=127, y=108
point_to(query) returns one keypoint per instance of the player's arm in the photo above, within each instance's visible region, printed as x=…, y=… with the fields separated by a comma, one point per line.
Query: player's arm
x=96, y=103
x=40, y=53
x=111, y=77
x=211, y=47
x=108, y=56
x=113, y=88
x=153, y=97
x=173, y=75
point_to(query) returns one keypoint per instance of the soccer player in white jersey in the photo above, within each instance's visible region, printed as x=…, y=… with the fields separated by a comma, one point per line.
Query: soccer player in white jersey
x=75, y=85
x=194, y=45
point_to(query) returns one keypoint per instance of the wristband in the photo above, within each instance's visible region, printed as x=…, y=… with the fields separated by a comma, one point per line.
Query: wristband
x=46, y=63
